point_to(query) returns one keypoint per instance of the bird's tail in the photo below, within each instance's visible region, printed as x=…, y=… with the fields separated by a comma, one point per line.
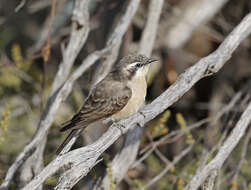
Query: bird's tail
x=72, y=134
x=67, y=125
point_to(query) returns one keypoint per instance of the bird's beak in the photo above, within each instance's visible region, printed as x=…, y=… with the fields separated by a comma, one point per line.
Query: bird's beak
x=150, y=60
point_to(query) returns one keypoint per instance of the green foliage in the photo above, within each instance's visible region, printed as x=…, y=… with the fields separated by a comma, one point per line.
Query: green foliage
x=158, y=126
x=8, y=79
x=246, y=169
x=3, y=123
x=51, y=181
x=182, y=123
x=165, y=183
x=180, y=184
x=249, y=186
x=154, y=164
x=112, y=185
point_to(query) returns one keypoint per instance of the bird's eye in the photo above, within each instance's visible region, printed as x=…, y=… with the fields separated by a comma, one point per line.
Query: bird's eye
x=138, y=65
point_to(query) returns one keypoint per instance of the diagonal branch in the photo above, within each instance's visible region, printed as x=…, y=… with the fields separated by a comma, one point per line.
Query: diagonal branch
x=242, y=159
x=164, y=171
x=116, y=39
x=154, y=145
x=77, y=39
x=192, y=15
x=224, y=152
x=85, y=158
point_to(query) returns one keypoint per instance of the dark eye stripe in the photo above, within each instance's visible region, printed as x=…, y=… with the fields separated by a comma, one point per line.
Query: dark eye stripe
x=132, y=72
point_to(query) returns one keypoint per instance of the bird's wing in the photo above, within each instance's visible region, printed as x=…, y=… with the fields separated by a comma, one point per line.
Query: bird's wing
x=105, y=100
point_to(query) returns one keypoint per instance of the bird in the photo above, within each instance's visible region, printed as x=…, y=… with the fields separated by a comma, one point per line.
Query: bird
x=118, y=95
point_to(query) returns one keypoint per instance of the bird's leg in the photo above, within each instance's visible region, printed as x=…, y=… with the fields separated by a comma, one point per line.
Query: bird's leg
x=139, y=125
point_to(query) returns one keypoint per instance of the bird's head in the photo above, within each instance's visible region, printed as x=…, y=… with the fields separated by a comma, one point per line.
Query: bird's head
x=135, y=65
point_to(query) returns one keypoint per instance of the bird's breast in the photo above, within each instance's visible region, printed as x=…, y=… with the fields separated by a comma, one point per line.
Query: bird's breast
x=138, y=87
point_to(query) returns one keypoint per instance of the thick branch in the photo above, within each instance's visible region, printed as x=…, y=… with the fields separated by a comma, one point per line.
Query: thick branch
x=209, y=65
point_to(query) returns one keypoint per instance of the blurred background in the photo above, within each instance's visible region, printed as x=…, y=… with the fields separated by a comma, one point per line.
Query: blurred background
x=28, y=66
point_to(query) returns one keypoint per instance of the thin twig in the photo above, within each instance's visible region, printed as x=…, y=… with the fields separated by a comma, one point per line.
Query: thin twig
x=224, y=151
x=115, y=40
x=180, y=132
x=242, y=159
x=20, y=5
x=187, y=19
x=77, y=40
x=169, y=166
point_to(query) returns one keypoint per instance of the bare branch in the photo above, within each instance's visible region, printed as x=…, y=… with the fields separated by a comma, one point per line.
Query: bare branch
x=42, y=36
x=35, y=163
x=209, y=184
x=150, y=148
x=87, y=156
x=190, y=18
x=20, y=5
x=151, y=28
x=123, y=160
x=164, y=171
x=116, y=39
x=243, y=157
x=77, y=40
x=224, y=151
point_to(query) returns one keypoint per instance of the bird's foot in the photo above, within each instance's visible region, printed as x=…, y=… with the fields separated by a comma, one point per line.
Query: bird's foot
x=118, y=125
x=139, y=125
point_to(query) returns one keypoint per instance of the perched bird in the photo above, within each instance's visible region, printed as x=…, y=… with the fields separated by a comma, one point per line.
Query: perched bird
x=121, y=93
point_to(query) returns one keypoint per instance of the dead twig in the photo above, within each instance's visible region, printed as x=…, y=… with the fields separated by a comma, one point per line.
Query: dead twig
x=224, y=151
x=78, y=37
x=242, y=159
